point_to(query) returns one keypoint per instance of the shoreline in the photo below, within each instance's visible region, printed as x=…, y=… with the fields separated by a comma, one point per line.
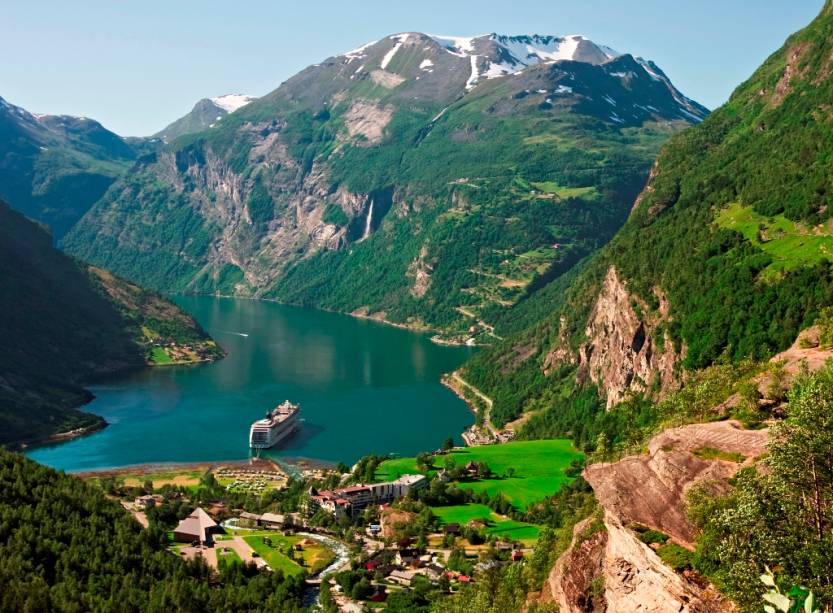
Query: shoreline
x=417, y=329
x=285, y=466
x=157, y=467
x=71, y=435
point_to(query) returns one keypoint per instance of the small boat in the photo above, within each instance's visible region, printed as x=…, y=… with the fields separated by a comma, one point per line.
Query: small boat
x=278, y=424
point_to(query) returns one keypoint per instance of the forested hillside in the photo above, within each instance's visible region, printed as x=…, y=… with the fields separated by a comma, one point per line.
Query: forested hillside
x=727, y=254
x=65, y=547
x=64, y=325
x=54, y=167
x=405, y=180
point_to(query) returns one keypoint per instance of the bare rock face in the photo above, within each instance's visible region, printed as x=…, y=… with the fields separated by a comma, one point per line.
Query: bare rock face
x=613, y=571
x=368, y=120
x=636, y=580
x=574, y=582
x=420, y=270
x=650, y=489
x=623, y=353
x=296, y=228
x=561, y=353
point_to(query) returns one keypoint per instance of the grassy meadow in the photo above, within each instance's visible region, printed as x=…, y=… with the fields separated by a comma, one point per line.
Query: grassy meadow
x=537, y=467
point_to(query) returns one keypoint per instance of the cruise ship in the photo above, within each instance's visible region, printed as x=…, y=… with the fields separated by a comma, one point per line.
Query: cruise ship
x=275, y=427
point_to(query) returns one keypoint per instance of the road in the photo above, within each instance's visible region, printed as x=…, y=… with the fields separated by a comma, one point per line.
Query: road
x=487, y=415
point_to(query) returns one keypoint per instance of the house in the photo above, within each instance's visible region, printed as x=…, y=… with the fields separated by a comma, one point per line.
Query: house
x=148, y=501
x=443, y=476
x=406, y=557
x=472, y=469
x=517, y=555
x=451, y=529
x=402, y=577
x=198, y=526
x=250, y=518
x=380, y=596
x=273, y=520
x=477, y=524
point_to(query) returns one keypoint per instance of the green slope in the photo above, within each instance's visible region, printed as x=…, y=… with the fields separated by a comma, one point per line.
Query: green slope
x=764, y=159
x=478, y=197
x=54, y=167
x=63, y=325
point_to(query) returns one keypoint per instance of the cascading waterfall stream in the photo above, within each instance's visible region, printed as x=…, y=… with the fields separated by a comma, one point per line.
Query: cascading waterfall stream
x=369, y=222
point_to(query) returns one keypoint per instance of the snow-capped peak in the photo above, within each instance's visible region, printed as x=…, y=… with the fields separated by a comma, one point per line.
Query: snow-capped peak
x=232, y=102
x=496, y=55
x=458, y=45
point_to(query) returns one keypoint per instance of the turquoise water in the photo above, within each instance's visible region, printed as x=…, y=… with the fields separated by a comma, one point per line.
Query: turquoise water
x=363, y=387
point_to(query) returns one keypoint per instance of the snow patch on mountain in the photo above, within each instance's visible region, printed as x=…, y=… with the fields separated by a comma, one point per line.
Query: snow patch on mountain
x=400, y=40
x=457, y=45
x=474, y=76
x=231, y=102
x=359, y=52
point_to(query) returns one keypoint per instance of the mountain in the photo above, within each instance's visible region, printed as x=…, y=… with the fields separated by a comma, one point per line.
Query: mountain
x=432, y=181
x=726, y=256
x=54, y=167
x=65, y=324
x=205, y=114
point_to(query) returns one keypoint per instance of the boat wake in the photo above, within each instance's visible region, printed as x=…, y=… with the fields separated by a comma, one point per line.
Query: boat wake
x=243, y=334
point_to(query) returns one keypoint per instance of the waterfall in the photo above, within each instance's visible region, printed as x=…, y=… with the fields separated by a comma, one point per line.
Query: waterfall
x=369, y=222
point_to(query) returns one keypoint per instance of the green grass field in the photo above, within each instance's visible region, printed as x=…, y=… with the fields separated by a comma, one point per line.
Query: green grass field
x=551, y=187
x=272, y=555
x=538, y=468
x=791, y=245
x=504, y=528
x=159, y=356
x=315, y=556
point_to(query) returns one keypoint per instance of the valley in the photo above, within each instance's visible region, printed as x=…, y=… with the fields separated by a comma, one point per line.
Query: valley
x=561, y=336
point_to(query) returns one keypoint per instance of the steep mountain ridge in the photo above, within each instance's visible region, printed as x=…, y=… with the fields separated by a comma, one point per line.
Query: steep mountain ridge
x=54, y=167
x=726, y=253
x=64, y=325
x=394, y=181
x=205, y=114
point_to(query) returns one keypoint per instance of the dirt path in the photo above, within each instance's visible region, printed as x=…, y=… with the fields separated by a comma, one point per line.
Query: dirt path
x=138, y=515
x=487, y=414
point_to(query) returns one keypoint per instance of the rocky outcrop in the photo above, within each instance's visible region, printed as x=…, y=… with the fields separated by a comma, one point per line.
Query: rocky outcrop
x=636, y=580
x=795, y=55
x=650, y=489
x=626, y=352
x=420, y=270
x=576, y=582
x=368, y=120
x=620, y=572
x=561, y=353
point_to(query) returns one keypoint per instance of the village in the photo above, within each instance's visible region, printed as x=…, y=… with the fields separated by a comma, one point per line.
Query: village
x=358, y=542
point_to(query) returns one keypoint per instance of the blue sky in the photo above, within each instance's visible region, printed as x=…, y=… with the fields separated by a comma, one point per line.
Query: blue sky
x=136, y=66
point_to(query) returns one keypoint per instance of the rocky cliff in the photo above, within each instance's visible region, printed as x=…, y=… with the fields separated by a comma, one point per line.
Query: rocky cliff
x=611, y=569
x=626, y=349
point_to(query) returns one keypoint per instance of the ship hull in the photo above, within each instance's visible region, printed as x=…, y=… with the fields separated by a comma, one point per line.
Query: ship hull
x=276, y=440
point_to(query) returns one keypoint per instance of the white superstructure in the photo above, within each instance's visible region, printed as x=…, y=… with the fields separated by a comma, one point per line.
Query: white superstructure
x=275, y=427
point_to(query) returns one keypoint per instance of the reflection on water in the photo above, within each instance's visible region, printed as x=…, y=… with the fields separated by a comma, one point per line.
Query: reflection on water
x=363, y=387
